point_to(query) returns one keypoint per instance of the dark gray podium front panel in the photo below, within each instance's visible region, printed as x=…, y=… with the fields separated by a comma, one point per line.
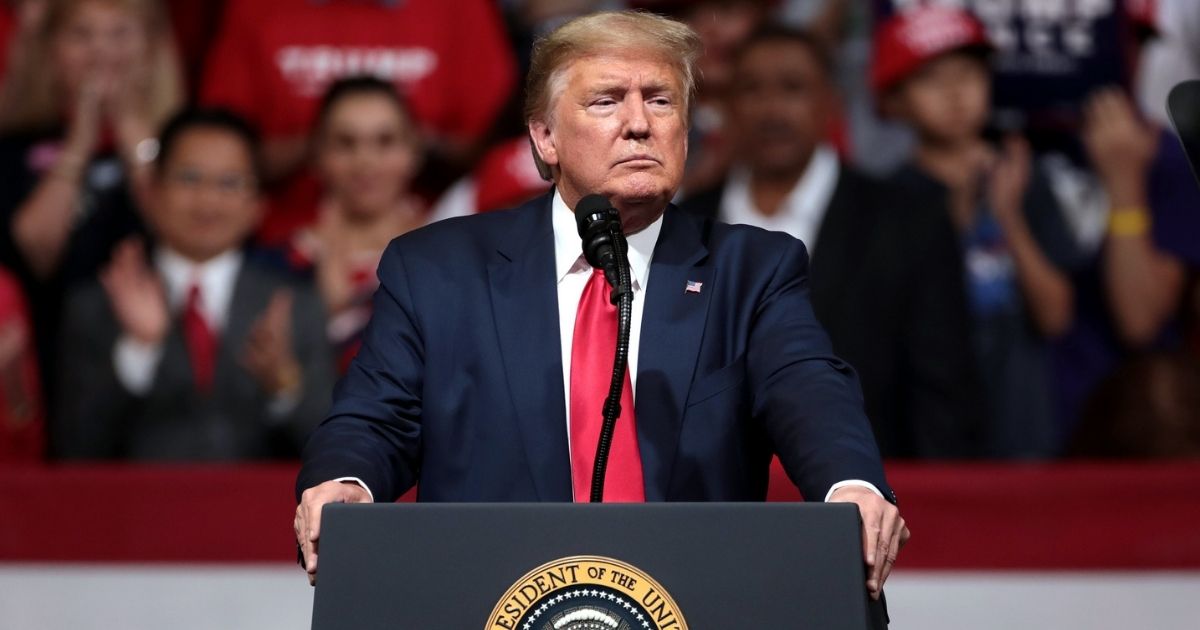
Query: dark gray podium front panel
x=727, y=566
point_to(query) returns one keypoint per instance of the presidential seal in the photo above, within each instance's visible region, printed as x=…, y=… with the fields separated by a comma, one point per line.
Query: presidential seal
x=586, y=593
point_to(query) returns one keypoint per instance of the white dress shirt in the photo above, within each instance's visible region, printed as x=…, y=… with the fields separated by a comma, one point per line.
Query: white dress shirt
x=137, y=362
x=573, y=272
x=803, y=208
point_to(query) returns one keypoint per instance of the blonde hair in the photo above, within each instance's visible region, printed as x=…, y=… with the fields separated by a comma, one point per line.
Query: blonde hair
x=597, y=34
x=33, y=96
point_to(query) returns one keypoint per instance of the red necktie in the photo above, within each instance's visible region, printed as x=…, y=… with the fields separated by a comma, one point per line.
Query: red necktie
x=201, y=342
x=592, y=350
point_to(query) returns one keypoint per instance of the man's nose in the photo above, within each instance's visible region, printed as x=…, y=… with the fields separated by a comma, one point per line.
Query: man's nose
x=637, y=125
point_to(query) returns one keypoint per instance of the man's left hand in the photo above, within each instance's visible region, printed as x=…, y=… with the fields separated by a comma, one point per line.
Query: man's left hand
x=884, y=533
x=268, y=352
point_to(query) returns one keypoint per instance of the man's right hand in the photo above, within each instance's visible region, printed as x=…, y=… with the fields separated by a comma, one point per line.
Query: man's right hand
x=1120, y=145
x=308, y=516
x=136, y=294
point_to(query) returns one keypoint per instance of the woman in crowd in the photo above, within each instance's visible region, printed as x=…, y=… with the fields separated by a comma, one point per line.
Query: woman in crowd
x=97, y=80
x=366, y=153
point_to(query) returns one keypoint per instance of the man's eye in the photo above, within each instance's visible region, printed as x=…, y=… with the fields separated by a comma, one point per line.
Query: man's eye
x=604, y=102
x=661, y=101
x=187, y=178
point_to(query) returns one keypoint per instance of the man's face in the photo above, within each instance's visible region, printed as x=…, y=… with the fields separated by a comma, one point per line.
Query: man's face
x=780, y=106
x=205, y=199
x=617, y=128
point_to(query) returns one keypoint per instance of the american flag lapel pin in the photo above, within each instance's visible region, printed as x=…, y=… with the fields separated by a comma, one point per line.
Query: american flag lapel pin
x=693, y=287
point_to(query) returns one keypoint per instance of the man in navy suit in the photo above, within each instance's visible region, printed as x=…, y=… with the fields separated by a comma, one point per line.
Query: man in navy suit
x=477, y=363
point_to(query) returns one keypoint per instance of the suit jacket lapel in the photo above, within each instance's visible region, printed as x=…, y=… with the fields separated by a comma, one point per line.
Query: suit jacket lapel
x=525, y=306
x=672, y=328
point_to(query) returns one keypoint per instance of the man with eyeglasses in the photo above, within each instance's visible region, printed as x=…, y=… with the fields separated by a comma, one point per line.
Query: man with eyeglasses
x=196, y=352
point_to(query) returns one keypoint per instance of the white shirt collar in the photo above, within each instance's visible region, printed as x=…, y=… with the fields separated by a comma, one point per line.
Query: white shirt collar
x=568, y=248
x=804, y=207
x=217, y=278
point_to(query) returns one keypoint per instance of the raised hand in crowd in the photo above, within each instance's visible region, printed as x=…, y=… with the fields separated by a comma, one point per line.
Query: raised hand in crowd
x=43, y=223
x=109, y=71
x=1144, y=284
x=136, y=294
x=339, y=250
x=20, y=407
x=268, y=354
x=1047, y=289
x=13, y=340
x=127, y=114
x=1008, y=177
x=12, y=343
x=1119, y=144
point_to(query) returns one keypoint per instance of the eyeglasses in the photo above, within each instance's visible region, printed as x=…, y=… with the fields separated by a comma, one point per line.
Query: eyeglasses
x=225, y=183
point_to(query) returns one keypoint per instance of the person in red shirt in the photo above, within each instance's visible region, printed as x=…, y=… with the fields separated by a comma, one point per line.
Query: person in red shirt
x=6, y=32
x=274, y=59
x=21, y=412
x=194, y=23
x=503, y=178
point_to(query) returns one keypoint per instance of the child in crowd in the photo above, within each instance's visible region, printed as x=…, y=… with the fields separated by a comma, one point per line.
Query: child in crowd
x=931, y=71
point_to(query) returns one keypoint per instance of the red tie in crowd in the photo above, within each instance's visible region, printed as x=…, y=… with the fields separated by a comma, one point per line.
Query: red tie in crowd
x=201, y=341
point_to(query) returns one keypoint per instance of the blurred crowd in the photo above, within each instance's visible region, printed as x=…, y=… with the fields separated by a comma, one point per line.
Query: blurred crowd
x=1004, y=230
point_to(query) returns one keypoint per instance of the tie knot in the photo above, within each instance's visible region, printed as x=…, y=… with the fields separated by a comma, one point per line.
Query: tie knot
x=195, y=298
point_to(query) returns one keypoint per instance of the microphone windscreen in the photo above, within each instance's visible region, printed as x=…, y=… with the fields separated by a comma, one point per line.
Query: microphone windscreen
x=589, y=209
x=1183, y=104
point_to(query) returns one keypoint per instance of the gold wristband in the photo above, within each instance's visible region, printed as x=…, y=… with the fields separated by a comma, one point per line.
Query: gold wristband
x=1129, y=221
x=288, y=378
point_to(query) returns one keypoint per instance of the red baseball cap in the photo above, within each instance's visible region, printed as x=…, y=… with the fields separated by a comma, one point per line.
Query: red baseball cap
x=909, y=39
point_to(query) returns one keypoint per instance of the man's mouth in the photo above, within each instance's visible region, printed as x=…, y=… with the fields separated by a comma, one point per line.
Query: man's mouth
x=639, y=159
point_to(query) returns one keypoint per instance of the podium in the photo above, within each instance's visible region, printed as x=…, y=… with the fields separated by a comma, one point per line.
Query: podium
x=548, y=566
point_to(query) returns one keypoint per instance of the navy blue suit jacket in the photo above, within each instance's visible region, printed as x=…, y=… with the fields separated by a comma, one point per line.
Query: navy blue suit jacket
x=459, y=380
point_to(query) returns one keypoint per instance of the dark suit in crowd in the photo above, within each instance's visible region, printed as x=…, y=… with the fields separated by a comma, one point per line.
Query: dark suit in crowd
x=887, y=284
x=100, y=418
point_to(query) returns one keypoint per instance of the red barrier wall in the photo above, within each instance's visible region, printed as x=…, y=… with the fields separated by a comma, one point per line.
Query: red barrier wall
x=971, y=516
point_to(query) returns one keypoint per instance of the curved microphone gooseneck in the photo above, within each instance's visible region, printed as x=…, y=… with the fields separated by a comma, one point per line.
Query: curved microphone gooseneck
x=605, y=247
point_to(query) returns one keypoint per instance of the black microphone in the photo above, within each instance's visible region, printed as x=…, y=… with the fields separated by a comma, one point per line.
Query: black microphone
x=1183, y=104
x=598, y=221
x=605, y=248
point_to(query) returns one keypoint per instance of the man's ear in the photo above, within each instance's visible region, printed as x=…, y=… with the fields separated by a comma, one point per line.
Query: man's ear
x=543, y=142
